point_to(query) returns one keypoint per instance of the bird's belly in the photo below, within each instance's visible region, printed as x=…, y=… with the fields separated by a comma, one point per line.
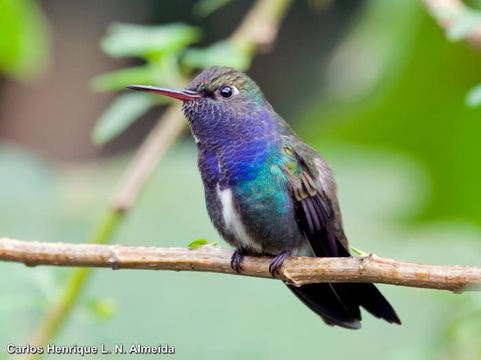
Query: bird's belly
x=258, y=218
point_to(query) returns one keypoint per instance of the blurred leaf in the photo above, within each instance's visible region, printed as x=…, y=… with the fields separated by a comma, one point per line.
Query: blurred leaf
x=119, y=115
x=460, y=332
x=198, y=243
x=101, y=309
x=473, y=98
x=119, y=79
x=147, y=41
x=409, y=112
x=221, y=53
x=463, y=26
x=24, y=43
x=204, y=8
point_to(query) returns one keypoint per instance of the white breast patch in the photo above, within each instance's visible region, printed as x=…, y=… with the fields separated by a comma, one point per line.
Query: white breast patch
x=233, y=221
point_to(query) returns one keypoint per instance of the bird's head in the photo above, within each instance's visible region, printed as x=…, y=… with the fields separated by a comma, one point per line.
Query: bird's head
x=216, y=92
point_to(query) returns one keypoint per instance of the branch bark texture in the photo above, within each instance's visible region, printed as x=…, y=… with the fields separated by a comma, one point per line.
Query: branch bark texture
x=296, y=270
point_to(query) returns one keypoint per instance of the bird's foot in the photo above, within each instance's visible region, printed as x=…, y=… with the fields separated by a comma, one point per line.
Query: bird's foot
x=235, y=261
x=277, y=262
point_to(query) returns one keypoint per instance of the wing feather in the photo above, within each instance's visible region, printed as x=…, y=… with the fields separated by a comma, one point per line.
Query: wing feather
x=318, y=214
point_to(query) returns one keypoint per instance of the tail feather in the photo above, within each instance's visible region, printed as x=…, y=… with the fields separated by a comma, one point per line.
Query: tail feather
x=371, y=299
x=324, y=301
x=338, y=304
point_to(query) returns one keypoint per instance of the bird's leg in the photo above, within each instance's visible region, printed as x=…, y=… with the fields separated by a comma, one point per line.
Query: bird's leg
x=235, y=260
x=276, y=263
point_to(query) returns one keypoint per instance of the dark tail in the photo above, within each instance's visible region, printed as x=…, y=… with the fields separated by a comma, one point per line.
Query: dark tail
x=338, y=304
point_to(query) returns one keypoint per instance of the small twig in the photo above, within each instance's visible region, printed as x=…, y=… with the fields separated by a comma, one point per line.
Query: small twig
x=260, y=27
x=296, y=270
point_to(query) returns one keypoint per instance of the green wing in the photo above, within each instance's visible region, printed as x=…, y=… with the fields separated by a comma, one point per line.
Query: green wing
x=313, y=189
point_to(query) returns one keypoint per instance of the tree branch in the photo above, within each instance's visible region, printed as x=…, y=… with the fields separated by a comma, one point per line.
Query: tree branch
x=296, y=270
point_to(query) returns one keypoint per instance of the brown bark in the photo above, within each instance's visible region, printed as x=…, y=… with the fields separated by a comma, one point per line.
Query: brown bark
x=296, y=270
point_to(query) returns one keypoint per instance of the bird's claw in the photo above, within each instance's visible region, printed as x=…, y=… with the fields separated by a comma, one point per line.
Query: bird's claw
x=235, y=261
x=277, y=262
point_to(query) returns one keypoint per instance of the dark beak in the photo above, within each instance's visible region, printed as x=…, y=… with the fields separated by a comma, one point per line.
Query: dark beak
x=184, y=95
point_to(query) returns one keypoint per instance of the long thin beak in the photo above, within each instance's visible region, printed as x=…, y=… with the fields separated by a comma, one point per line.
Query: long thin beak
x=184, y=95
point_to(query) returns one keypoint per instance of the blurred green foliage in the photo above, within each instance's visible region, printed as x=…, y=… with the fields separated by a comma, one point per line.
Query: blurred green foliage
x=462, y=21
x=148, y=42
x=411, y=101
x=24, y=41
x=474, y=96
x=160, y=48
x=121, y=113
x=220, y=53
x=391, y=119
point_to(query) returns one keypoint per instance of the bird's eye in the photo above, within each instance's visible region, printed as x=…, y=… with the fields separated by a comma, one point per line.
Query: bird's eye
x=227, y=91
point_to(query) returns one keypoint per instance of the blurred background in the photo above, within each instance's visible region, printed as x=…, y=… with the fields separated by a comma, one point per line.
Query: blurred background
x=374, y=85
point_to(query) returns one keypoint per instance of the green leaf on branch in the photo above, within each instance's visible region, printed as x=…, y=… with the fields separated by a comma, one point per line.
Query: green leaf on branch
x=358, y=252
x=473, y=98
x=221, y=53
x=120, y=114
x=198, y=243
x=148, y=41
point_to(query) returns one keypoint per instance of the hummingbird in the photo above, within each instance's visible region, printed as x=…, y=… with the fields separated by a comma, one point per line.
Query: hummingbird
x=267, y=192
